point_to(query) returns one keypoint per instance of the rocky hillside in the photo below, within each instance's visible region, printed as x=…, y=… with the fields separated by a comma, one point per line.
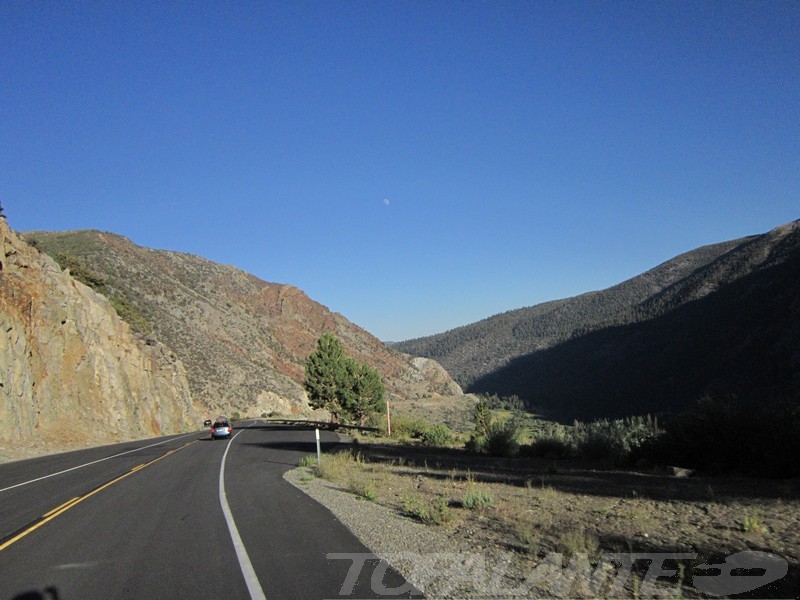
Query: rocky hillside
x=71, y=371
x=244, y=341
x=722, y=320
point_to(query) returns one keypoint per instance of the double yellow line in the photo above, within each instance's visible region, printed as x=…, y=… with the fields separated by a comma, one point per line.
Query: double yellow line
x=59, y=510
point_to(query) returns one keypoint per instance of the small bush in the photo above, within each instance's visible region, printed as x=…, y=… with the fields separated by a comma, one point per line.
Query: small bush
x=499, y=439
x=503, y=439
x=476, y=498
x=438, y=435
x=431, y=511
x=405, y=427
x=579, y=541
x=525, y=534
x=752, y=524
x=551, y=448
x=620, y=441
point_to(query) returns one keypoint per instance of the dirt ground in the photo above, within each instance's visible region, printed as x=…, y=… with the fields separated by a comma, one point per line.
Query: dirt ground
x=535, y=507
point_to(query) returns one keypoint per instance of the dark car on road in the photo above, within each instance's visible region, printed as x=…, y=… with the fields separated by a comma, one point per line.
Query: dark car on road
x=221, y=429
x=207, y=423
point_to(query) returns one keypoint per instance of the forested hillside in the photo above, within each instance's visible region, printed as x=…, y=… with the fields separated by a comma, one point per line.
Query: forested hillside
x=474, y=351
x=720, y=321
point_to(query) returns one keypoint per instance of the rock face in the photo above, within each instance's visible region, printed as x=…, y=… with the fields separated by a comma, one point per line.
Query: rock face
x=71, y=371
x=244, y=341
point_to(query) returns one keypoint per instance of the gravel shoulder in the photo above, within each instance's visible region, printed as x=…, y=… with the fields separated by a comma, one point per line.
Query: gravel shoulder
x=541, y=512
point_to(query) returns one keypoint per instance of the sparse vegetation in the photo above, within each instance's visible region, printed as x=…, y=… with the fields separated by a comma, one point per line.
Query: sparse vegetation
x=333, y=467
x=429, y=510
x=752, y=523
x=363, y=486
x=308, y=461
x=579, y=541
x=719, y=320
x=521, y=504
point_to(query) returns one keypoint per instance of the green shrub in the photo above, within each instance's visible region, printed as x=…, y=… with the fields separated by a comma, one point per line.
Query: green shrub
x=551, y=440
x=476, y=498
x=495, y=438
x=503, y=439
x=431, y=511
x=620, y=441
x=405, y=427
x=128, y=312
x=476, y=444
x=551, y=448
x=438, y=435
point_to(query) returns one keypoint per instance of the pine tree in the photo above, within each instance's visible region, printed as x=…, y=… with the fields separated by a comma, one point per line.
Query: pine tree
x=325, y=375
x=364, y=392
x=341, y=385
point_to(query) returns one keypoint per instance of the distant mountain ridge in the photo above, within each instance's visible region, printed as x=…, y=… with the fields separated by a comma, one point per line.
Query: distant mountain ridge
x=243, y=341
x=720, y=320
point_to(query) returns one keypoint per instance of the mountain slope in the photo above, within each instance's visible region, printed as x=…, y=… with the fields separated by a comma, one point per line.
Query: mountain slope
x=474, y=351
x=244, y=341
x=71, y=371
x=725, y=323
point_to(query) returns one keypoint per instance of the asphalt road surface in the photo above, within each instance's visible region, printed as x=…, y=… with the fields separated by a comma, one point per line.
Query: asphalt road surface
x=180, y=517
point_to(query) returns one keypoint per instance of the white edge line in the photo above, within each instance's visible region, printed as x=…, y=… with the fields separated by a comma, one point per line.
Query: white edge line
x=249, y=574
x=94, y=462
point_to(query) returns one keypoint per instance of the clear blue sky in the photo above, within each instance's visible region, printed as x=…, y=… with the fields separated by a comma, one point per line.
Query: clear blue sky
x=415, y=166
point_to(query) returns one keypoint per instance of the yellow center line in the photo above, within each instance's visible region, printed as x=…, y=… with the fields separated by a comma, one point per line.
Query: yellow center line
x=49, y=516
x=61, y=506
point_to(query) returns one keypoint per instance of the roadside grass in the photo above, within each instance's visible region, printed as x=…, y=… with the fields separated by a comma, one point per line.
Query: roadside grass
x=308, y=461
x=528, y=506
x=335, y=466
x=579, y=541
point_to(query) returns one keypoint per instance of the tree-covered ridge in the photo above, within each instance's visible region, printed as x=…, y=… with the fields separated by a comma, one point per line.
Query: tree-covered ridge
x=473, y=351
x=720, y=321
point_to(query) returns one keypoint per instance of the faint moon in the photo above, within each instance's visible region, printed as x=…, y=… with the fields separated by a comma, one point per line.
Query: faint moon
x=386, y=202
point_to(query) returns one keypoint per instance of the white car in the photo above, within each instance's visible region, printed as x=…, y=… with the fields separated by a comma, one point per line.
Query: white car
x=221, y=429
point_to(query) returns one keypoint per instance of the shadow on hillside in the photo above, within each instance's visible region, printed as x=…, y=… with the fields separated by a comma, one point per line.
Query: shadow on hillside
x=735, y=342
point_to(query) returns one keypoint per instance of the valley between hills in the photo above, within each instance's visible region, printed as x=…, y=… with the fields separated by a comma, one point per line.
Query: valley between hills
x=133, y=343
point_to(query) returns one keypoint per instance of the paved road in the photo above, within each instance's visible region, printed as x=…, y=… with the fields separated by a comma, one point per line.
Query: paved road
x=178, y=517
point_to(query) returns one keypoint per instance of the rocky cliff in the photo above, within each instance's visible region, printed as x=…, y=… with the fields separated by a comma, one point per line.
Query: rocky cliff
x=244, y=341
x=71, y=371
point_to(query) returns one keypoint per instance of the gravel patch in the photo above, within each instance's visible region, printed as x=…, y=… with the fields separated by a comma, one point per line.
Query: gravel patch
x=434, y=559
x=386, y=533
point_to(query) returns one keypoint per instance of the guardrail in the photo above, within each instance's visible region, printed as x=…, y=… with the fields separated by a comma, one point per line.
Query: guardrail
x=318, y=424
